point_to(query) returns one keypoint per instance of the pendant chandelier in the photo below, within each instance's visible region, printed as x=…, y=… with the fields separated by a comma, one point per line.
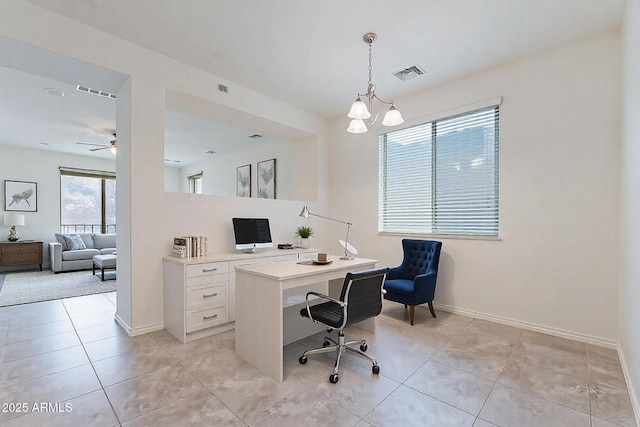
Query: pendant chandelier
x=360, y=111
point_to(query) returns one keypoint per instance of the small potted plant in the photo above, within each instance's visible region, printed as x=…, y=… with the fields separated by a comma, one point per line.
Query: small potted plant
x=304, y=232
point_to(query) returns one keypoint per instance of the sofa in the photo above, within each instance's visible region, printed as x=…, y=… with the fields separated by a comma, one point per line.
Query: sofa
x=75, y=251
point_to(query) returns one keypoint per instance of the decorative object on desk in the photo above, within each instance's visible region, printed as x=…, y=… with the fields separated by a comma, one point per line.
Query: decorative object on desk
x=190, y=246
x=359, y=111
x=13, y=220
x=304, y=232
x=322, y=256
x=348, y=248
x=20, y=196
x=267, y=179
x=347, y=252
x=243, y=181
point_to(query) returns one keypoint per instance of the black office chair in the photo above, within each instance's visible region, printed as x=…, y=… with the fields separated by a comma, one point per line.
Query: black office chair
x=361, y=298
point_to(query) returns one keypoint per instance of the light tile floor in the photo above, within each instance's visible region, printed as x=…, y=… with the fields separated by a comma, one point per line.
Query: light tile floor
x=67, y=363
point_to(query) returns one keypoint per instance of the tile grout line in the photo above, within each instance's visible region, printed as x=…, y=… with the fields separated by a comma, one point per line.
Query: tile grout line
x=92, y=366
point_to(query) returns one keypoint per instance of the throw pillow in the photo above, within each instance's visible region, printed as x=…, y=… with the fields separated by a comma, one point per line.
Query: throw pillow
x=60, y=239
x=74, y=242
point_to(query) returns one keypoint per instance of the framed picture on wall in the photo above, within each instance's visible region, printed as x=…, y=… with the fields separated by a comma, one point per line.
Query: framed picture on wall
x=243, y=181
x=20, y=196
x=267, y=179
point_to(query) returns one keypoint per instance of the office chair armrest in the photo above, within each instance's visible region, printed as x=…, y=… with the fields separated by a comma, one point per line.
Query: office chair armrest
x=316, y=294
x=323, y=296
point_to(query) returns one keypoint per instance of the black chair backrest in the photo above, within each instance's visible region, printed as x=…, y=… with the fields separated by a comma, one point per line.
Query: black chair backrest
x=420, y=257
x=362, y=291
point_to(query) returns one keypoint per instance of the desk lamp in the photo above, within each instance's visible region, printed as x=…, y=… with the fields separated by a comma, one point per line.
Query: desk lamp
x=13, y=220
x=348, y=249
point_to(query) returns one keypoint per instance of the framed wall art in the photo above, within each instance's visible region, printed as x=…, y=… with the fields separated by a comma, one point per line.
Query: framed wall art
x=267, y=179
x=243, y=181
x=20, y=196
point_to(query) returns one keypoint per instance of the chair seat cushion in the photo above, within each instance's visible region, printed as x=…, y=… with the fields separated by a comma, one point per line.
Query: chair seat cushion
x=399, y=286
x=328, y=313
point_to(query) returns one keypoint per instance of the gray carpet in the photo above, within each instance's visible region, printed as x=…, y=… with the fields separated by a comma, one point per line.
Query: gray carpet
x=23, y=288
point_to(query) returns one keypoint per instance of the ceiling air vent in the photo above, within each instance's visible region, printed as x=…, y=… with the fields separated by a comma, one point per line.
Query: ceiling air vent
x=409, y=73
x=222, y=88
x=96, y=92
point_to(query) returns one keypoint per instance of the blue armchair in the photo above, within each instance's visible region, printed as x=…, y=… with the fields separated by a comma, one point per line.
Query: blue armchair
x=414, y=281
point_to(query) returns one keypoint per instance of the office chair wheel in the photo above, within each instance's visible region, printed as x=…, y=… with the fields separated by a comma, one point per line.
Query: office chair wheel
x=302, y=360
x=375, y=369
x=363, y=347
x=326, y=343
x=333, y=378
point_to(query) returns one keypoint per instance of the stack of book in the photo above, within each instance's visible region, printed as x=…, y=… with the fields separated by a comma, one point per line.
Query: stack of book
x=189, y=246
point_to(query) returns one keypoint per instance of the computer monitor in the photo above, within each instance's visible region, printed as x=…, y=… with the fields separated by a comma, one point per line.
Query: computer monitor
x=252, y=234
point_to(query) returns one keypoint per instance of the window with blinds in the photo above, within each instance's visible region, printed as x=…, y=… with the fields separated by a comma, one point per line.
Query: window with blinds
x=441, y=177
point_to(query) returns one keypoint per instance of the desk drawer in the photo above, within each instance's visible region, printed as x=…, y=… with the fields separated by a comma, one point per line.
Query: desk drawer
x=212, y=279
x=198, y=296
x=206, y=318
x=207, y=269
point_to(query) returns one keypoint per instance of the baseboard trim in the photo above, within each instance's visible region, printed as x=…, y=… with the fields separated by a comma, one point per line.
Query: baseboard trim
x=589, y=339
x=123, y=324
x=633, y=396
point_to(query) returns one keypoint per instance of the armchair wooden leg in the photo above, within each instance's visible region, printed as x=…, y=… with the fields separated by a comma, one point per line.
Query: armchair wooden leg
x=412, y=311
x=433, y=313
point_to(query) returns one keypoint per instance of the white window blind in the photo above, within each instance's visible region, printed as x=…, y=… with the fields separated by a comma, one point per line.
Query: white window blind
x=441, y=177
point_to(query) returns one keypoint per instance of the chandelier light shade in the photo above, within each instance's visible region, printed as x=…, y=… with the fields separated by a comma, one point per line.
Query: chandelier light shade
x=360, y=111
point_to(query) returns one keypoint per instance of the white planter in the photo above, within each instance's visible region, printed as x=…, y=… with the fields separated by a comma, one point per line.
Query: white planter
x=304, y=242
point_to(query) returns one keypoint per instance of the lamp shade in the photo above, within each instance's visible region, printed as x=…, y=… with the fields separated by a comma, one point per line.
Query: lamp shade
x=357, y=126
x=393, y=117
x=304, y=212
x=359, y=110
x=13, y=219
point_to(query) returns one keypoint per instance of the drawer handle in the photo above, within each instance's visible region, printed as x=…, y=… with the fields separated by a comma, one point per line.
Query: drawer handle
x=210, y=295
x=205, y=270
x=210, y=317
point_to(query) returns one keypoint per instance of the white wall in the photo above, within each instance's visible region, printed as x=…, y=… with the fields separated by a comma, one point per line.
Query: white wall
x=42, y=167
x=629, y=317
x=148, y=218
x=555, y=265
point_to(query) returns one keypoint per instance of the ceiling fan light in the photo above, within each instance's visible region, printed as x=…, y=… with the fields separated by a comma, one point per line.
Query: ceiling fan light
x=359, y=110
x=357, y=126
x=392, y=117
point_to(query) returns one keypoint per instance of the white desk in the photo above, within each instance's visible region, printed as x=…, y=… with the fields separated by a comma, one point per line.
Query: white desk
x=260, y=290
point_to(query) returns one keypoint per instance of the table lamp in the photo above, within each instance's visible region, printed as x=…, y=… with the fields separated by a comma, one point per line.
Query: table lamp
x=12, y=220
x=348, y=249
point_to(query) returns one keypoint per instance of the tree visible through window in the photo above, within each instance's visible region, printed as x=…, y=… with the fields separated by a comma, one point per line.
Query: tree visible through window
x=441, y=177
x=87, y=202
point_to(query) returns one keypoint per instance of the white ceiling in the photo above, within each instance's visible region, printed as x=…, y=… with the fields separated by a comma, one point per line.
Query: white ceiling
x=307, y=53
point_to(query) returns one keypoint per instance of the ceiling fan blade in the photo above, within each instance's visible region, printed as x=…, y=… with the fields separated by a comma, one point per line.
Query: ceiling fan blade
x=98, y=149
x=89, y=143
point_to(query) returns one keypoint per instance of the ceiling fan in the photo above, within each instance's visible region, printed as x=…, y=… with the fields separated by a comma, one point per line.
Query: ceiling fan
x=112, y=146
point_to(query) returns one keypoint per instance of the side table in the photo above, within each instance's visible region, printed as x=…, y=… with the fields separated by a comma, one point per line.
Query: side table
x=25, y=252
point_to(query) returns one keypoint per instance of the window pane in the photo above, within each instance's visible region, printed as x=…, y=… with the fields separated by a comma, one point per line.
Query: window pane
x=81, y=208
x=80, y=204
x=441, y=177
x=110, y=205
